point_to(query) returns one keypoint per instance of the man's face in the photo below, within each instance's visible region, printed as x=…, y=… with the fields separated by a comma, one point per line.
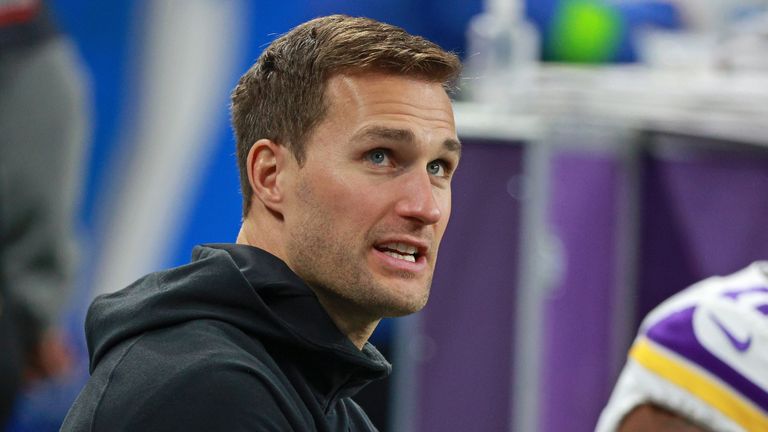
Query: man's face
x=366, y=212
x=649, y=417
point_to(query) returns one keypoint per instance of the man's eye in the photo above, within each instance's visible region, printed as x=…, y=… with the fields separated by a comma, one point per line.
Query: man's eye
x=378, y=157
x=436, y=168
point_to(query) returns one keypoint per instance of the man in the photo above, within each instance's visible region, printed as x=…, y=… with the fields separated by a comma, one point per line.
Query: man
x=346, y=144
x=700, y=361
x=43, y=137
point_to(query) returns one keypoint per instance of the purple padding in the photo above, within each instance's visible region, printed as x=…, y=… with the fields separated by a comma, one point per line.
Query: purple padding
x=704, y=213
x=676, y=333
x=465, y=379
x=577, y=318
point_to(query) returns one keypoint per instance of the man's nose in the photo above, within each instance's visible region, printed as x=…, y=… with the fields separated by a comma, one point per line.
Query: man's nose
x=417, y=199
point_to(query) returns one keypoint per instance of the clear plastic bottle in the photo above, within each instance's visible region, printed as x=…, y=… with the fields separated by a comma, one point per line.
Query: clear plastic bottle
x=502, y=56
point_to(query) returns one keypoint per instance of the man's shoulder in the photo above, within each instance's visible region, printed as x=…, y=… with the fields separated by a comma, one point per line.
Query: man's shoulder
x=200, y=375
x=194, y=349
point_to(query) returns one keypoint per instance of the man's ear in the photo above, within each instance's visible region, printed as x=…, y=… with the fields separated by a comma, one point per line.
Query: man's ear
x=266, y=161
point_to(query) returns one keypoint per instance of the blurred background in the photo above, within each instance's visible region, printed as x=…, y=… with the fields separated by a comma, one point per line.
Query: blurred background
x=615, y=151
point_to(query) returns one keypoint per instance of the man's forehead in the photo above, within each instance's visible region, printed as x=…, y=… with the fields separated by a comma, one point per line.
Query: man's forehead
x=427, y=99
x=355, y=85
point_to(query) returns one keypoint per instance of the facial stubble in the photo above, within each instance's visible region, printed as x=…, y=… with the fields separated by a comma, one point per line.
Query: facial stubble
x=334, y=262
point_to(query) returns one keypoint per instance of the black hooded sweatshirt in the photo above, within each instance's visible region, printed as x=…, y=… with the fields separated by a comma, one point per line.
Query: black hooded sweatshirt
x=233, y=341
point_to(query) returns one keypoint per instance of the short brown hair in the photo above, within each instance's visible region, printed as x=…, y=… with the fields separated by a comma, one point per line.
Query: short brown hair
x=281, y=97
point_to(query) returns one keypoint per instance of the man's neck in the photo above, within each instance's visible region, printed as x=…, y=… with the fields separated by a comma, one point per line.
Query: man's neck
x=356, y=327
x=347, y=319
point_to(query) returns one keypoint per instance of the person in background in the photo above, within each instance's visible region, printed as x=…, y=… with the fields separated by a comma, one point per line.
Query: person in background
x=42, y=142
x=346, y=146
x=699, y=362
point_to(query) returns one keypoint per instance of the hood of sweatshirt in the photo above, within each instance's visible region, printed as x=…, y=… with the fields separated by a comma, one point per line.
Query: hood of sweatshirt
x=237, y=284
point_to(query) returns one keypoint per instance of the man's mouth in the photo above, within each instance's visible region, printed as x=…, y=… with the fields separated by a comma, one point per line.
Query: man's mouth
x=401, y=251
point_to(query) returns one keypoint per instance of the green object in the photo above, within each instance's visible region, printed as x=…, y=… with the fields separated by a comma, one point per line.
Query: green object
x=585, y=31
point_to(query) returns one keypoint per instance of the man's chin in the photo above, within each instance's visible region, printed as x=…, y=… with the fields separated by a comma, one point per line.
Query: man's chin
x=404, y=303
x=404, y=311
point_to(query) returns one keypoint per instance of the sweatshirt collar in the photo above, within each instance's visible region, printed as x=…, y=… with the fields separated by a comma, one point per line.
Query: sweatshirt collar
x=291, y=301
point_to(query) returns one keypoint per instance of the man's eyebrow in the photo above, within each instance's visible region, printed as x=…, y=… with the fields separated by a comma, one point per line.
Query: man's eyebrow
x=402, y=135
x=386, y=133
x=453, y=145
